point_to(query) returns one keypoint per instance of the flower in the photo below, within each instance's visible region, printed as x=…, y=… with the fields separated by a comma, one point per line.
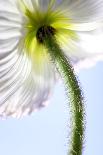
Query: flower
x=27, y=74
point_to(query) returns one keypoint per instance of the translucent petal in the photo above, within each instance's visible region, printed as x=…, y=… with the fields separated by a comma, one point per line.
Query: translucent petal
x=85, y=26
x=86, y=50
x=30, y=5
x=46, y=4
x=23, y=90
x=9, y=6
x=10, y=33
x=11, y=21
x=83, y=10
x=13, y=78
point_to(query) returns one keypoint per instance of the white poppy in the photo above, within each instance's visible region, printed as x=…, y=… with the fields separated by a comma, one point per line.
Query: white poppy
x=27, y=75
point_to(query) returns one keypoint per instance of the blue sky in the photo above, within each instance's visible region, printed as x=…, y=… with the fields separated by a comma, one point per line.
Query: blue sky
x=46, y=132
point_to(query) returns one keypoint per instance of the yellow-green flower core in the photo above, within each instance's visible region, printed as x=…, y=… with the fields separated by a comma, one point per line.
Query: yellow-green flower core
x=36, y=19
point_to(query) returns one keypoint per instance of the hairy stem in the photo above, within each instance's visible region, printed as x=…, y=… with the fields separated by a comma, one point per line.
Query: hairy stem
x=74, y=93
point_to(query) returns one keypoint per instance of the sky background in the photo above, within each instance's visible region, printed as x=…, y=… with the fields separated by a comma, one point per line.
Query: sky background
x=46, y=132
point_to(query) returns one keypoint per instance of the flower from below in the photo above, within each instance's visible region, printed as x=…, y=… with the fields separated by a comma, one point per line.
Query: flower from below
x=27, y=74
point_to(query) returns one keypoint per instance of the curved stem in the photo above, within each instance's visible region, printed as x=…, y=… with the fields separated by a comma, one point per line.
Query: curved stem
x=74, y=93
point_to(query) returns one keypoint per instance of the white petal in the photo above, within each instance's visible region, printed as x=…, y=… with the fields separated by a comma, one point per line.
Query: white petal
x=11, y=81
x=83, y=10
x=11, y=20
x=14, y=70
x=88, y=50
x=10, y=33
x=85, y=26
x=25, y=92
x=9, y=6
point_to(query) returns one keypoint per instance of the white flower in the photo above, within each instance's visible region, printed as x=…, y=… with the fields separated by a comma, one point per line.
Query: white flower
x=27, y=75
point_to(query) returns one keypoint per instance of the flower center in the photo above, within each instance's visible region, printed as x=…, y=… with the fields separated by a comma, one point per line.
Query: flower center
x=43, y=32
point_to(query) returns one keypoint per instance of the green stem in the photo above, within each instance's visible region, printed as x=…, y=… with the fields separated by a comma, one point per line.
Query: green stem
x=74, y=93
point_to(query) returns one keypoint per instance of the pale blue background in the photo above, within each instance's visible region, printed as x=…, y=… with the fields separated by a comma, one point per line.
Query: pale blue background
x=46, y=132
